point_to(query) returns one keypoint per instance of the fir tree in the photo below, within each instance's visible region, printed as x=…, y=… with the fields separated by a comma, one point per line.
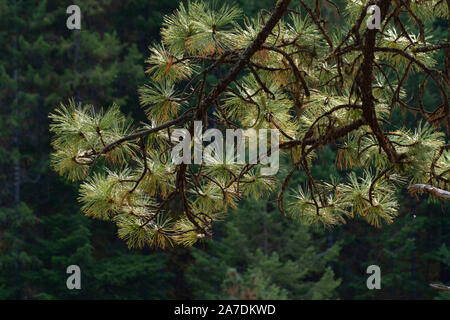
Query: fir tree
x=41, y=234
x=262, y=255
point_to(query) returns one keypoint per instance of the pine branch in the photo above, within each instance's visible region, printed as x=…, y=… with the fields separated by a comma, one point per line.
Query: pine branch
x=424, y=188
x=440, y=287
x=141, y=134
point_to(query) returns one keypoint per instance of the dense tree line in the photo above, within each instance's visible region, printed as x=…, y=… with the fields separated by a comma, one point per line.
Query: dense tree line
x=256, y=253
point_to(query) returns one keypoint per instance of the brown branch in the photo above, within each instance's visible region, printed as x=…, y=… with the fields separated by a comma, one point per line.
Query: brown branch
x=297, y=74
x=317, y=21
x=244, y=58
x=365, y=84
x=439, y=287
x=141, y=134
x=424, y=188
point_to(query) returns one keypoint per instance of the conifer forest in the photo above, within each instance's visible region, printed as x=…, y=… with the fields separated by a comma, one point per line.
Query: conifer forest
x=217, y=150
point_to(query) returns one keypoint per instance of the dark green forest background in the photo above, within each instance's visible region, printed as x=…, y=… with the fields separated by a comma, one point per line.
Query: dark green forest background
x=256, y=253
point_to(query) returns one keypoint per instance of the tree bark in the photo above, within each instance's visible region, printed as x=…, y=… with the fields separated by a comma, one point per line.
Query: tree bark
x=424, y=188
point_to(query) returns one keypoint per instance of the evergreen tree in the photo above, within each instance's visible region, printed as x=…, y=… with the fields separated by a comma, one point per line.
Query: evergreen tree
x=324, y=89
x=262, y=255
x=443, y=255
x=41, y=63
x=24, y=73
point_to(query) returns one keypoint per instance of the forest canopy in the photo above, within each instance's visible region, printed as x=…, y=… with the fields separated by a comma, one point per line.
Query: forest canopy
x=285, y=69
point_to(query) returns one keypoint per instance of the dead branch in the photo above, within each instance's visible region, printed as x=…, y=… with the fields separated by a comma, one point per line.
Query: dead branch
x=424, y=188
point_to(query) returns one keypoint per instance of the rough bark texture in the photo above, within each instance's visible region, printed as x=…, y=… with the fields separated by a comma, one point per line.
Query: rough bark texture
x=424, y=188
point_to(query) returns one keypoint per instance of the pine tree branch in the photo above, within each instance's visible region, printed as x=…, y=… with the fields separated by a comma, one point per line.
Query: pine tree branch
x=440, y=287
x=424, y=188
x=244, y=58
x=141, y=134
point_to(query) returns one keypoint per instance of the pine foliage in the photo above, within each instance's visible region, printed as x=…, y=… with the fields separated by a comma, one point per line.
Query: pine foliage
x=307, y=82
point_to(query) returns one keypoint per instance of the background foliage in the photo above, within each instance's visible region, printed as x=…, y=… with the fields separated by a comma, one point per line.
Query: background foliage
x=256, y=253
